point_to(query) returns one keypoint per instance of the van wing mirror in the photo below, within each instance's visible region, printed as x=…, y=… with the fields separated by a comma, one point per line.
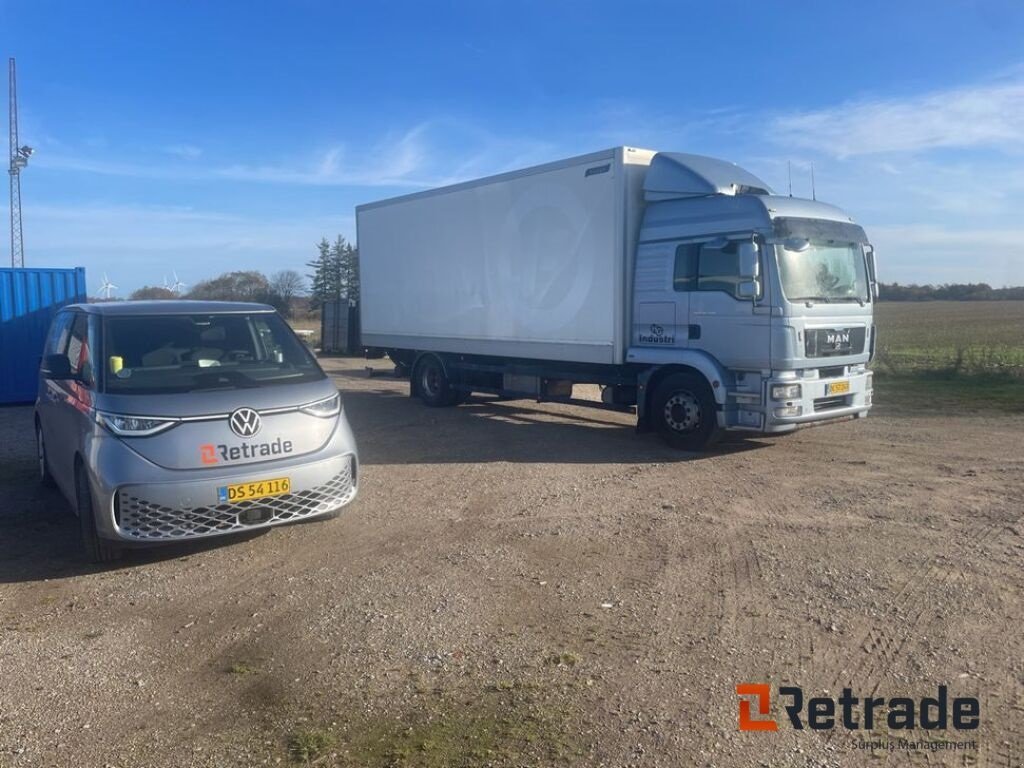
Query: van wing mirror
x=749, y=261
x=57, y=367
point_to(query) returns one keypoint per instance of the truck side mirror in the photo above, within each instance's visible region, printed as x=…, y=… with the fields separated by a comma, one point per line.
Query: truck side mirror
x=748, y=289
x=872, y=271
x=749, y=263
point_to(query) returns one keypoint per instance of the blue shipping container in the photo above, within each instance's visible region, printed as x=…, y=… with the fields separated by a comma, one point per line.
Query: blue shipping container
x=29, y=298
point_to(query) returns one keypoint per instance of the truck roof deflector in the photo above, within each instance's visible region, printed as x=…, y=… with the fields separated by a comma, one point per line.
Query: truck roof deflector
x=674, y=174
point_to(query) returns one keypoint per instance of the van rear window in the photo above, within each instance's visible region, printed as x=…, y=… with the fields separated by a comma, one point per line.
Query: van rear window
x=164, y=354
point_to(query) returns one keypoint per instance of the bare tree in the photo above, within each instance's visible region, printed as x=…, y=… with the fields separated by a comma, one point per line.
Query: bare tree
x=288, y=284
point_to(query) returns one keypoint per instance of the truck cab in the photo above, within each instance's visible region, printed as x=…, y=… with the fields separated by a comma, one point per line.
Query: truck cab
x=768, y=297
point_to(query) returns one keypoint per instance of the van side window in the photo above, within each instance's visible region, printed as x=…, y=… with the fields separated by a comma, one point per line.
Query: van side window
x=684, y=277
x=79, y=354
x=57, y=340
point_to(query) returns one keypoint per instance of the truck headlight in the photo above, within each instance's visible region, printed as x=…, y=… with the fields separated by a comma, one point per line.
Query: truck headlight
x=789, y=410
x=125, y=425
x=329, y=406
x=785, y=391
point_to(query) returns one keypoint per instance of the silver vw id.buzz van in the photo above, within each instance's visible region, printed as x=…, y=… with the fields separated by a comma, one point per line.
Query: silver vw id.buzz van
x=173, y=420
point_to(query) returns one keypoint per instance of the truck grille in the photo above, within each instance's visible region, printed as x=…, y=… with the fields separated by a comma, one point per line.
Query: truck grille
x=828, y=403
x=146, y=521
x=832, y=342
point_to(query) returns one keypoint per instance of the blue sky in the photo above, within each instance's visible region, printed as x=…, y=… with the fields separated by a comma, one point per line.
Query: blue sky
x=202, y=137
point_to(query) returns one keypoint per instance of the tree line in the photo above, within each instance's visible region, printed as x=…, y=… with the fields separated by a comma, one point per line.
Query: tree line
x=947, y=292
x=335, y=275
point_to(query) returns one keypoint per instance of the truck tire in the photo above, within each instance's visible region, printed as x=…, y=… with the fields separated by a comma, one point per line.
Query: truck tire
x=97, y=549
x=683, y=410
x=432, y=383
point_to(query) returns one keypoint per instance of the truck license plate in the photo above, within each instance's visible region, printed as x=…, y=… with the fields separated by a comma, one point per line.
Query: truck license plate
x=837, y=388
x=258, y=489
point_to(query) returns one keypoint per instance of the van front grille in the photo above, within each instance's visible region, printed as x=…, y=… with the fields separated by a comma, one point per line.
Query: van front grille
x=145, y=520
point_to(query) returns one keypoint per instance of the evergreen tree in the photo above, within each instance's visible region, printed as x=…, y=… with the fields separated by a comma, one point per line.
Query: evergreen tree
x=323, y=282
x=346, y=263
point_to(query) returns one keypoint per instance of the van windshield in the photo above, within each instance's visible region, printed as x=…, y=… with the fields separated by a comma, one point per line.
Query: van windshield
x=164, y=354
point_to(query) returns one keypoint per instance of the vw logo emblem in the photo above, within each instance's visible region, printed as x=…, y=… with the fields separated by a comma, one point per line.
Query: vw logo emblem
x=245, y=422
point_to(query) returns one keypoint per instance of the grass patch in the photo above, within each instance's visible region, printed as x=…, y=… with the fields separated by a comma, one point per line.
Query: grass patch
x=947, y=391
x=309, y=744
x=242, y=668
x=506, y=724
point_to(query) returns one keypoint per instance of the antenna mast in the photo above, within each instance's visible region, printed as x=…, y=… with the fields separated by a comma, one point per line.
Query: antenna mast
x=814, y=194
x=19, y=159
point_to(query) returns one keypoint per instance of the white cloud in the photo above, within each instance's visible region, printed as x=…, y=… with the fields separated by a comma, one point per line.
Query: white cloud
x=431, y=153
x=988, y=115
x=184, y=151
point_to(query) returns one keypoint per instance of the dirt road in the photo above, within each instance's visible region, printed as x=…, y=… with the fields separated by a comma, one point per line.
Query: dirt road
x=524, y=584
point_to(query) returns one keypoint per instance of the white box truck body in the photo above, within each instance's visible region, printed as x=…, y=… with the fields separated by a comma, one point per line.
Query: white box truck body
x=678, y=283
x=530, y=264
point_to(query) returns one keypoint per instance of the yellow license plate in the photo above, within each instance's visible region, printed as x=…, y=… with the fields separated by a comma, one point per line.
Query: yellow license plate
x=258, y=489
x=837, y=388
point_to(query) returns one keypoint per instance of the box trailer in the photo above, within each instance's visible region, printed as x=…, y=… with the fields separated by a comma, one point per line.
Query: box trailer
x=534, y=263
x=679, y=283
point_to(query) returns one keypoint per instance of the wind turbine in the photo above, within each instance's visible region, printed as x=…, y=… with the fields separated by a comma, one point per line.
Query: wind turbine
x=177, y=285
x=107, y=288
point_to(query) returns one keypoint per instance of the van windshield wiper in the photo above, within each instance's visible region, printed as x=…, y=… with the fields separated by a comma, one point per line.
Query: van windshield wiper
x=811, y=299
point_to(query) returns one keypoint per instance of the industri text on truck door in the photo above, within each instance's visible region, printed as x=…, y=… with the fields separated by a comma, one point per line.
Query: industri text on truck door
x=679, y=283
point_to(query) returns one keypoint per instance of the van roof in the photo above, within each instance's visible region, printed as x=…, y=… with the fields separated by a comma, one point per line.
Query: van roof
x=170, y=307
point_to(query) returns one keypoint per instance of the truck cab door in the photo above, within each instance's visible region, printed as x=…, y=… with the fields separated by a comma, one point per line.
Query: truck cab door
x=661, y=306
x=725, y=320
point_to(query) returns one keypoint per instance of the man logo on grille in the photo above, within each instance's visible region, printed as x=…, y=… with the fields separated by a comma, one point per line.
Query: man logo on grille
x=245, y=422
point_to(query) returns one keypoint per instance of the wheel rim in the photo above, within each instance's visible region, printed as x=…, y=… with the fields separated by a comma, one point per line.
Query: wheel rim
x=682, y=412
x=40, y=453
x=430, y=381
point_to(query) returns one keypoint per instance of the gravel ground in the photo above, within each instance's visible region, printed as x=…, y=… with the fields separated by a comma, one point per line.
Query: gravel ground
x=524, y=584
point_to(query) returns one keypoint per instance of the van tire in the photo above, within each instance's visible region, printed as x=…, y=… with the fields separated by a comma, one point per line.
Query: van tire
x=432, y=384
x=683, y=411
x=97, y=549
x=45, y=476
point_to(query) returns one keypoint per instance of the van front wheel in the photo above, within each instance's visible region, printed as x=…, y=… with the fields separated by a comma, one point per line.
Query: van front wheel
x=683, y=409
x=97, y=549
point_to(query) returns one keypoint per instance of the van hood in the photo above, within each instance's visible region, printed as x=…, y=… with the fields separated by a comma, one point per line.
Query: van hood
x=190, y=404
x=206, y=440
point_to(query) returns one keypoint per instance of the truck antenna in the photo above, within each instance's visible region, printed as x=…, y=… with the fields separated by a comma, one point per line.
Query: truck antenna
x=789, y=170
x=814, y=195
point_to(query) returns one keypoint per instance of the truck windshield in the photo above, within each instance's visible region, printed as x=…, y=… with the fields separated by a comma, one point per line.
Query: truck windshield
x=164, y=354
x=824, y=271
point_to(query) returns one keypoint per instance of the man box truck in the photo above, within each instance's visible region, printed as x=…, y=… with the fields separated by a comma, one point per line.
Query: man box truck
x=678, y=283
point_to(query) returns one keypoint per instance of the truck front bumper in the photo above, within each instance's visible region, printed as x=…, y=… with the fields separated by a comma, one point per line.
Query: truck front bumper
x=817, y=401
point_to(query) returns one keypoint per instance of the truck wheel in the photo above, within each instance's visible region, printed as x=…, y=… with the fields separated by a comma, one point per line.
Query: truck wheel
x=45, y=478
x=683, y=409
x=432, y=382
x=98, y=550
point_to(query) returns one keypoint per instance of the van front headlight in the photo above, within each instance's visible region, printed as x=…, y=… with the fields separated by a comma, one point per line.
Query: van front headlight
x=126, y=425
x=324, y=409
